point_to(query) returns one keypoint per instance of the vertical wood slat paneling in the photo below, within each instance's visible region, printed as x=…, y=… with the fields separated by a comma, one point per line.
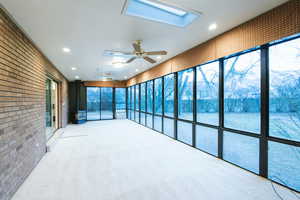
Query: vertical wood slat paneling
x=23, y=72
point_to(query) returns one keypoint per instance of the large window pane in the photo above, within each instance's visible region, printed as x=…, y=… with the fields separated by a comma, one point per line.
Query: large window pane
x=207, y=139
x=208, y=93
x=284, y=164
x=158, y=96
x=120, y=98
x=137, y=100
x=150, y=96
x=132, y=97
x=149, y=121
x=285, y=90
x=93, y=103
x=169, y=127
x=143, y=119
x=143, y=95
x=128, y=103
x=185, y=94
x=242, y=92
x=130, y=114
x=184, y=132
x=158, y=123
x=241, y=150
x=106, y=103
x=169, y=95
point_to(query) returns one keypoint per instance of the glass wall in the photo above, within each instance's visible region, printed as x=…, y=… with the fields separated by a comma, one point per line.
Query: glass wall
x=242, y=92
x=149, y=106
x=132, y=102
x=101, y=101
x=93, y=103
x=185, y=94
x=143, y=103
x=223, y=108
x=137, y=103
x=208, y=93
x=285, y=90
x=169, y=95
x=106, y=104
x=284, y=112
x=120, y=99
x=158, y=96
x=158, y=104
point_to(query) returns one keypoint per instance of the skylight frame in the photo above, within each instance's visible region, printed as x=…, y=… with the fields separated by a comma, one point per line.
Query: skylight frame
x=167, y=8
x=182, y=21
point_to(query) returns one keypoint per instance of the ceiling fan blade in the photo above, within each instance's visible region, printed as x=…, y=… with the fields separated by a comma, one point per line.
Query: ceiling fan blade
x=137, y=46
x=152, y=53
x=150, y=60
x=117, y=53
x=130, y=60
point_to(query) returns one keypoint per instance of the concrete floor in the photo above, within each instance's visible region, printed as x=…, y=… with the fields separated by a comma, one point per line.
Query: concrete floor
x=119, y=159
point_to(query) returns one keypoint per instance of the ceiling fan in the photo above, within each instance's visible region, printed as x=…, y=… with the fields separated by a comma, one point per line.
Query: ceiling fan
x=137, y=53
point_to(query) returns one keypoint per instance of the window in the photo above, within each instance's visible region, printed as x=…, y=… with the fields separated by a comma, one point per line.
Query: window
x=284, y=164
x=242, y=92
x=169, y=95
x=143, y=119
x=160, y=12
x=169, y=127
x=137, y=104
x=158, y=96
x=185, y=94
x=130, y=103
x=184, y=132
x=158, y=123
x=120, y=103
x=207, y=139
x=93, y=103
x=208, y=93
x=241, y=150
x=137, y=101
x=106, y=103
x=150, y=96
x=132, y=98
x=149, y=120
x=143, y=97
x=285, y=90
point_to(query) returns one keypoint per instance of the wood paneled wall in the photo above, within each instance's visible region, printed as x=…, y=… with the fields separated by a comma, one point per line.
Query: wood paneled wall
x=115, y=84
x=275, y=24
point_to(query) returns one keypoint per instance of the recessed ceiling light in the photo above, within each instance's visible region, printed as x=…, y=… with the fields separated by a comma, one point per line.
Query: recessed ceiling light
x=212, y=27
x=77, y=77
x=158, y=57
x=66, y=50
x=136, y=70
x=125, y=76
x=74, y=68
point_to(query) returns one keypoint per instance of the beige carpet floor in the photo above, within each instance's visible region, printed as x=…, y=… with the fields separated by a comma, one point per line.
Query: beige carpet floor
x=121, y=160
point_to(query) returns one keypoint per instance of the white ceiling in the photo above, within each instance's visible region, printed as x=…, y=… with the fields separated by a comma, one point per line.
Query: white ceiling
x=88, y=27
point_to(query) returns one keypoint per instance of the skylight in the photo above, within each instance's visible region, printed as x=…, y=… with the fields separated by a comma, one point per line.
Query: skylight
x=164, y=7
x=160, y=12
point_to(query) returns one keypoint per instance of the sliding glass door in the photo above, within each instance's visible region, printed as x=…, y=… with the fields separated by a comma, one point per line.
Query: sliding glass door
x=106, y=104
x=120, y=99
x=93, y=103
x=51, y=107
x=99, y=103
